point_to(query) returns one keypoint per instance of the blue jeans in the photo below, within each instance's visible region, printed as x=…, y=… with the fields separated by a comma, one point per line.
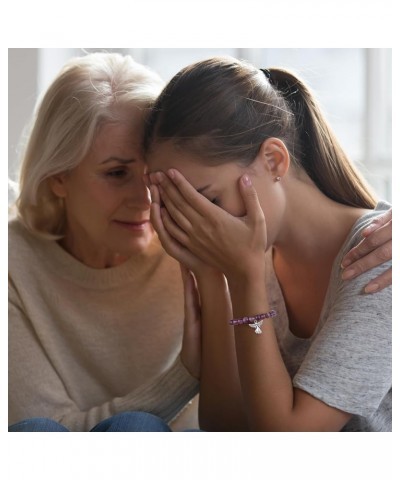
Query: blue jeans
x=122, y=422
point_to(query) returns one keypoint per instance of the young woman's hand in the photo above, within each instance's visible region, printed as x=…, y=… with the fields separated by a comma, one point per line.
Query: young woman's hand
x=191, y=342
x=165, y=228
x=374, y=249
x=230, y=244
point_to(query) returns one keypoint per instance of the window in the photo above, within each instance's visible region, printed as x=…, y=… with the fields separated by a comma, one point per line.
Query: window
x=353, y=86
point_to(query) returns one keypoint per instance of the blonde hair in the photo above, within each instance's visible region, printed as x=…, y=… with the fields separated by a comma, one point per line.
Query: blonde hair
x=88, y=92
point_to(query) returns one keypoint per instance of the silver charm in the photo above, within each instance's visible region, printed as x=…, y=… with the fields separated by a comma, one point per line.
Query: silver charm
x=257, y=326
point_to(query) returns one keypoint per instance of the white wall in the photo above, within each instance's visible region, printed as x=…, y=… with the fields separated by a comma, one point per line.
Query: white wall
x=23, y=66
x=353, y=86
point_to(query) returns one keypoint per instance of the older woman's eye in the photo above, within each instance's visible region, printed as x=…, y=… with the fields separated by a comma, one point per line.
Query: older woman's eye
x=117, y=173
x=214, y=201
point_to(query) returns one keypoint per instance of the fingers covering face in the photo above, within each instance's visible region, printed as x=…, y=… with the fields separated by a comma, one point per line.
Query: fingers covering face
x=172, y=228
x=177, y=209
x=182, y=193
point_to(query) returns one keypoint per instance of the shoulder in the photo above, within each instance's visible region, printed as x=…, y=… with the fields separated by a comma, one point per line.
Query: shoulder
x=346, y=303
x=26, y=251
x=16, y=229
x=355, y=233
x=348, y=364
x=349, y=312
x=20, y=239
x=353, y=289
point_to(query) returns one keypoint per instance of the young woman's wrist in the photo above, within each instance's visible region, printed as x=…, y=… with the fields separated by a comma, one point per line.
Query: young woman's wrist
x=248, y=292
x=250, y=275
x=207, y=276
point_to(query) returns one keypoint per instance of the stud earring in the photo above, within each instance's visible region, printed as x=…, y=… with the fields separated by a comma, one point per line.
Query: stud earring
x=277, y=179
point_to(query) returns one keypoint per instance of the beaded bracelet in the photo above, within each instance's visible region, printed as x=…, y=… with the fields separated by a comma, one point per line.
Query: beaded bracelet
x=254, y=321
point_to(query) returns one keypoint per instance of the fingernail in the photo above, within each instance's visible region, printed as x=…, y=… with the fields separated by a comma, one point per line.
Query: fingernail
x=371, y=287
x=345, y=263
x=246, y=180
x=159, y=176
x=171, y=173
x=152, y=193
x=347, y=274
x=371, y=228
x=368, y=230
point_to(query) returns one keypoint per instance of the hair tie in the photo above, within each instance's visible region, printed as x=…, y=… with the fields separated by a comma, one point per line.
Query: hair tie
x=267, y=73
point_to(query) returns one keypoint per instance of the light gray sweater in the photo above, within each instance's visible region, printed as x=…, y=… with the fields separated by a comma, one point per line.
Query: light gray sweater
x=85, y=344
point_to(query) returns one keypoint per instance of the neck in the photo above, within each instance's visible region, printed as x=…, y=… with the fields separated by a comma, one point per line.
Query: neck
x=91, y=257
x=314, y=227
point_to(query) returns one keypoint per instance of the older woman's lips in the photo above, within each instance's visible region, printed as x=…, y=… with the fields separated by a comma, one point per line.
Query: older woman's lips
x=135, y=226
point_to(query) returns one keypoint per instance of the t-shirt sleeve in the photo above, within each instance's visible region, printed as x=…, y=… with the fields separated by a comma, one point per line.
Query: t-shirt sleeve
x=348, y=365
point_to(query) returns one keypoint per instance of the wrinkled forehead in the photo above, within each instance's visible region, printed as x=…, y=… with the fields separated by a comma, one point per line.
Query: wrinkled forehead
x=117, y=139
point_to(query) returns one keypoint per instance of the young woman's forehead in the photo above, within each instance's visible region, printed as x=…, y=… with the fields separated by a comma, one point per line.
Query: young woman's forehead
x=165, y=155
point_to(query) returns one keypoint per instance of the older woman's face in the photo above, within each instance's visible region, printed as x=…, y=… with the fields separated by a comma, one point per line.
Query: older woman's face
x=106, y=200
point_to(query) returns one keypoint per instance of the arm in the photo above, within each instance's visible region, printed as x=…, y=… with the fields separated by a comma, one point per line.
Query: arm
x=191, y=340
x=374, y=249
x=36, y=389
x=220, y=404
x=272, y=403
x=349, y=362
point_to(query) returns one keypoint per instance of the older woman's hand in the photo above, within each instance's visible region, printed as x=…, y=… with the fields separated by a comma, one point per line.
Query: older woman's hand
x=191, y=342
x=374, y=249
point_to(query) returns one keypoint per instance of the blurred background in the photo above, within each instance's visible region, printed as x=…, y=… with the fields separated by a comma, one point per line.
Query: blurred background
x=353, y=86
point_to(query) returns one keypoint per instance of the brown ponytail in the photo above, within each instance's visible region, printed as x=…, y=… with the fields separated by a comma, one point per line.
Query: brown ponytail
x=320, y=153
x=222, y=110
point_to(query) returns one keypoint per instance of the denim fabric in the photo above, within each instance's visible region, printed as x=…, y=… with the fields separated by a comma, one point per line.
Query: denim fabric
x=132, y=422
x=122, y=422
x=37, y=425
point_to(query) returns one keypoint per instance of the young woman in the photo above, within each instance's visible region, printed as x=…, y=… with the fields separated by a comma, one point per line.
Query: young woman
x=250, y=185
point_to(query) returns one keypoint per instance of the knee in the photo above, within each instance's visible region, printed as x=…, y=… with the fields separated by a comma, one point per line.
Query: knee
x=132, y=422
x=39, y=424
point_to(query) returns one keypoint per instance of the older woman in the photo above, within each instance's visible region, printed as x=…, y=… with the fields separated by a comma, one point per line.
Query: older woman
x=95, y=304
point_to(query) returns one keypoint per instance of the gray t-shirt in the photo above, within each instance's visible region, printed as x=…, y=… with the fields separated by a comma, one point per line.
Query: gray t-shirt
x=347, y=362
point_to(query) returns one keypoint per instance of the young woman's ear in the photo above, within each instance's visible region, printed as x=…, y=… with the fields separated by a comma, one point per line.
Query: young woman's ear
x=57, y=184
x=275, y=156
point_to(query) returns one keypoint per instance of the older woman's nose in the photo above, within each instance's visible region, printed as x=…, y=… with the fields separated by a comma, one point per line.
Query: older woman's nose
x=138, y=195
